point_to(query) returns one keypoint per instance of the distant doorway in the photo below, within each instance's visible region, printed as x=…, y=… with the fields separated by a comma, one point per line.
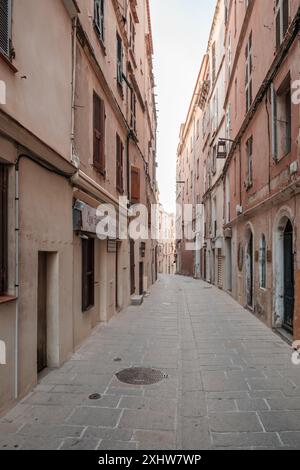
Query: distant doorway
x=249, y=271
x=42, y=313
x=132, y=267
x=289, y=281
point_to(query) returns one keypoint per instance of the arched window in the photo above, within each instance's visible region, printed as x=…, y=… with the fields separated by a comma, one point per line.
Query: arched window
x=262, y=263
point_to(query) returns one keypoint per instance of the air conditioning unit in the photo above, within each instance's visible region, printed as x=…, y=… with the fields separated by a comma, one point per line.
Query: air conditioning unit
x=239, y=210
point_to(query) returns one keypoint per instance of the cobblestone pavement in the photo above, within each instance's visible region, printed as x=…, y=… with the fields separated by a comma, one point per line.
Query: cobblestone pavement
x=230, y=384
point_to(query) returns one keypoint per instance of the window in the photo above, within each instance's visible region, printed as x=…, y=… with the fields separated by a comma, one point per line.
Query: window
x=133, y=111
x=213, y=62
x=99, y=17
x=5, y=27
x=99, y=134
x=198, y=168
x=229, y=56
x=228, y=122
x=262, y=263
x=214, y=159
x=131, y=34
x=135, y=185
x=281, y=119
x=249, y=151
x=88, y=273
x=248, y=77
x=119, y=164
x=282, y=20
x=119, y=61
x=3, y=228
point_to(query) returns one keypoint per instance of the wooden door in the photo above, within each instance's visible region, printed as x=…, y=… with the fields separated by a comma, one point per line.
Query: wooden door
x=141, y=279
x=132, y=268
x=289, y=283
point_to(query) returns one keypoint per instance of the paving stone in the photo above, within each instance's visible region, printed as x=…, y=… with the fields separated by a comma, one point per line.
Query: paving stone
x=117, y=445
x=79, y=444
x=146, y=420
x=46, y=431
x=221, y=406
x=195, y=434
x=234, y=422
x=48, y=398
x=114, y=434
x=160, y=439
x=193, y=404
x=245, y=439
x=290, y=438
x=252, y=404
x=281, y=420
x=88, y=416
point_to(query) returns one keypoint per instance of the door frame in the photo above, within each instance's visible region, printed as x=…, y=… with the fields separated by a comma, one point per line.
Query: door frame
x=281, y=221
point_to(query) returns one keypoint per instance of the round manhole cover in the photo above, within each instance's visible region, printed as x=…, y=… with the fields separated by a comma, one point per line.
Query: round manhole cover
x=140, y=376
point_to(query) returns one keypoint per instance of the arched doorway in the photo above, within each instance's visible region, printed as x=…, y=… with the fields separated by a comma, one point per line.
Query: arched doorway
x=249, y=270
x=289, y=279
x=283, y=272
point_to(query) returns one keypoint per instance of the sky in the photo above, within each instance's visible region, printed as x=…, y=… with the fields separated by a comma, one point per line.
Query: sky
x=180, y=34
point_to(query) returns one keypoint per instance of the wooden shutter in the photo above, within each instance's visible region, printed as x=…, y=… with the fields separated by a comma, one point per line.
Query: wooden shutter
x=119, y=164
x=274, y=123
x=285, y=17
x=5, y=26
x=99, y=134
x=3, y=228
x=88, y=274
x=135, y=184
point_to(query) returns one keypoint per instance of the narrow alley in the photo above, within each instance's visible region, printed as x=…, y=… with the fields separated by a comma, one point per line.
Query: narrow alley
x=228, y=382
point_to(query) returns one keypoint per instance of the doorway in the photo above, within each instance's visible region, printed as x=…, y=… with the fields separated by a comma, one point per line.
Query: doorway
x=132, y=267
x=249, y=271
x=141, y=279
x=289, y=280
x=42, y=313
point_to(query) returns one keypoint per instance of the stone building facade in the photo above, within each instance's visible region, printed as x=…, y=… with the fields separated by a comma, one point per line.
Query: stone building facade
x=250, y=198
x=77, y=130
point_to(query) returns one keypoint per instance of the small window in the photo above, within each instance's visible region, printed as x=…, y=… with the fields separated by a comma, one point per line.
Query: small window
x=99, y=134
x=282, y=119
x=3, y=228
x=248, y=73
x=135, y=185
x=5, y=27
x=213, y=62
x=133, y=111
x=282, y=20
x=262, y=263
x=131, y=34
x=119, y=61
x=99, y=17
x=119, y=164
x=88, y=274
x=249, y=152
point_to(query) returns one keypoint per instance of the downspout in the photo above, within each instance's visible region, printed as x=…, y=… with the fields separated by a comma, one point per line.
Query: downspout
x=74, y=56
x=17, y=228
x=73, y=85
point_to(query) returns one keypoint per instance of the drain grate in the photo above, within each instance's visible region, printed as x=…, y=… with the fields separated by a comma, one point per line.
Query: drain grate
x=140, y=376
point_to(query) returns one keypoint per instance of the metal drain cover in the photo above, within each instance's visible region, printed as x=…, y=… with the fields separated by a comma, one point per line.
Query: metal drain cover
x=140, y=376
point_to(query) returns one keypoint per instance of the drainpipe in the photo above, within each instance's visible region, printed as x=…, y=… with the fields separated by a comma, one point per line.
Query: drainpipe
x=73, y=84
x=17, y=228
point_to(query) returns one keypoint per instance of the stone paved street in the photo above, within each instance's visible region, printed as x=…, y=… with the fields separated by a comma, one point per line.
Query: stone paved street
x=230, y=384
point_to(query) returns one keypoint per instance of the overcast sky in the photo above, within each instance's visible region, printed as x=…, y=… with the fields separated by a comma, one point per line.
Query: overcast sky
x=180, y=32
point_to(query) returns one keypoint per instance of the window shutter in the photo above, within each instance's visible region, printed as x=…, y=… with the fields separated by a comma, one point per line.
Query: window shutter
x=5, y=26
x=285, y=16
x=119, y=164
x=3, y=229
x=99, y=134
x=135, y=184
x=274, y=122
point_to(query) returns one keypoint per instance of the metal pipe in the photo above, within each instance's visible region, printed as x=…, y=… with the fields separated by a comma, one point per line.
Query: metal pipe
x=17, y=228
